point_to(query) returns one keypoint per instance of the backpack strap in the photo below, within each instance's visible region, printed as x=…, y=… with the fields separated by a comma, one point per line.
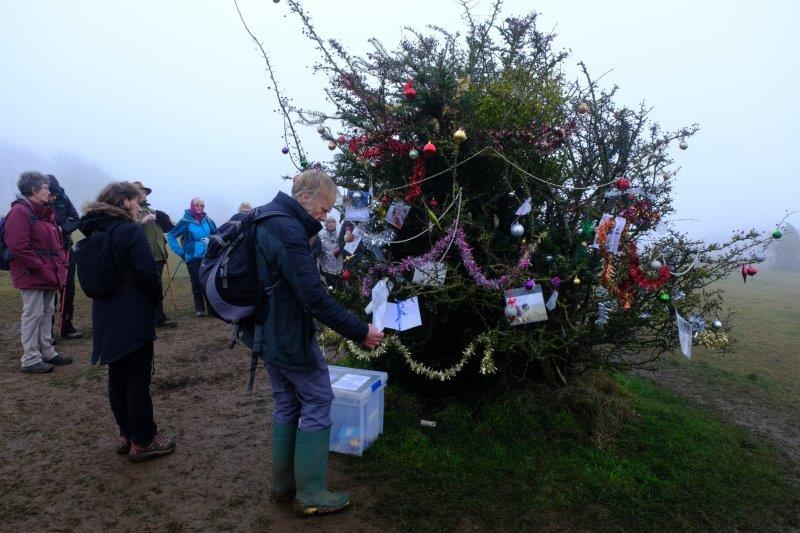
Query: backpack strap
x=266, y=291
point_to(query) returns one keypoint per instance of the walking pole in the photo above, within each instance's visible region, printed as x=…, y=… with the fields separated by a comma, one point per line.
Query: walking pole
x=62, y=296
x=169, y=287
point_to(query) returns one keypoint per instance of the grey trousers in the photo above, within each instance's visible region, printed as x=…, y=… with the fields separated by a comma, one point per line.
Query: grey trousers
x=36, y=325
x=304, y=396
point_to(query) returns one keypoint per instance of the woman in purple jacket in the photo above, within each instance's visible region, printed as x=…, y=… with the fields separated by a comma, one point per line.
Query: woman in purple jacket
x=38, y=269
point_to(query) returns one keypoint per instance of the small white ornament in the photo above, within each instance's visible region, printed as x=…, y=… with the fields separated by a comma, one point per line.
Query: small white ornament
x=683, y=145
x=759, y=257
x=717, y=324
x=517, y=229
x=583, y=108
x=655, y=264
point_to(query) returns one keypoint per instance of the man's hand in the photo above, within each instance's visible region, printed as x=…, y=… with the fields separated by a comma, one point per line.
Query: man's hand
x=148, y=219
x=374, y=337
x=204, y=240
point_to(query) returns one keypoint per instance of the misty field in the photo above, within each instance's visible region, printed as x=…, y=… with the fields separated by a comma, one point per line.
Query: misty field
x=714, y=444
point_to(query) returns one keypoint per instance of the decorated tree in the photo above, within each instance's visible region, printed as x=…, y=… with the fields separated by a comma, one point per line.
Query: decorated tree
x=541, y=201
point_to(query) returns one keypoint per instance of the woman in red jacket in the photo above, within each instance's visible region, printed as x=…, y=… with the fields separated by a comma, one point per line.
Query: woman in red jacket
x=38, y=269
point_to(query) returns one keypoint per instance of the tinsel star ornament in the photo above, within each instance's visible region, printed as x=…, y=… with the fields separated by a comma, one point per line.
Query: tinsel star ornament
x=408, y=90
x=429, y=149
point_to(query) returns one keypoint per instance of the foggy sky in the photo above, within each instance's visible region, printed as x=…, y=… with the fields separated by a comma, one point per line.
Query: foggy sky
x=173, y=93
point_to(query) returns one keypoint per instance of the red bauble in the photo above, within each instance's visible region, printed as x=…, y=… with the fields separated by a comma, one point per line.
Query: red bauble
x=409, y=91
x=429, y=149
x=385, y=200
x=434, y=203
x=346, y=275
x=623, y=184
x=340, y=139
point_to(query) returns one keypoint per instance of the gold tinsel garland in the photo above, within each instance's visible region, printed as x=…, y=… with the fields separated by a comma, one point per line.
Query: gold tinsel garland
x=392, y=341
x=713, y=340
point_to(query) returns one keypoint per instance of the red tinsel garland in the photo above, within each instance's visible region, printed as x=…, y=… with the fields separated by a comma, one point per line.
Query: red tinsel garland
x=640, y=277
x=374, y=147
x=417, y=175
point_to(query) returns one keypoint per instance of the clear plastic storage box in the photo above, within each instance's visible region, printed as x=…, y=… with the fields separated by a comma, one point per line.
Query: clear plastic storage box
x=357, y=411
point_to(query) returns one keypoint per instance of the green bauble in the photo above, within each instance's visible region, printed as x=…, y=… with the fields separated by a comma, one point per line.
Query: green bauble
x=587, y=228
x=777, y=234
x=303, y=163
x=664, y=297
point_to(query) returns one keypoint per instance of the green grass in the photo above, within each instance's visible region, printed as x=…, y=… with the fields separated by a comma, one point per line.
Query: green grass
x=526, y=461
x=766, y=333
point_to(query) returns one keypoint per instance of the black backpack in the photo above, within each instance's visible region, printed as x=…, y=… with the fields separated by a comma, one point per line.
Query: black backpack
x=229, y=277
x=5, y=254
x=94, y=261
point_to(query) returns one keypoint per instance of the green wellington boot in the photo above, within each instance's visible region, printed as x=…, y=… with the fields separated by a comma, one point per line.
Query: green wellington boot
x=310, y=474
x=283, y=438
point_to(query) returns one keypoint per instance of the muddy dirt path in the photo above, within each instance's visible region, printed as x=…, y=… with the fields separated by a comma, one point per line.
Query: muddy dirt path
x=778, y=423
x=59, y=471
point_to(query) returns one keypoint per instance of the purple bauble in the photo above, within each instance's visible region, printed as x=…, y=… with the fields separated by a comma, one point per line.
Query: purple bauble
x=529, y=284
x=285, y=150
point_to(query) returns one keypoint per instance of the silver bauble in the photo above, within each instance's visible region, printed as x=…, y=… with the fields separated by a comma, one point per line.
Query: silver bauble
x=717, y=324
x=413, y=154
x=683, y=144
x=583, y=108
x=759, y=257
x=517, y=229
x=549, y=258
x=320, y=129
x=655, y=264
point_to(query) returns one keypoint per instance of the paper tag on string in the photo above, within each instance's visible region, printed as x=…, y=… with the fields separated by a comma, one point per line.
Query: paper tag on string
x=684, y=335
x=551, y=302
x=524, y=209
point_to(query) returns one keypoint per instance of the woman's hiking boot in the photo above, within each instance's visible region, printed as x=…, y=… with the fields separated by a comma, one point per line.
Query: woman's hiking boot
x=283, y=442
x=123, y=444
x=199, y=305
x=159, y=446
x=310, y=475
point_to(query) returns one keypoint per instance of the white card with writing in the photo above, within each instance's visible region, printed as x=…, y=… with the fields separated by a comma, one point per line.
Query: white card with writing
x=613, y=236
x=403, y=315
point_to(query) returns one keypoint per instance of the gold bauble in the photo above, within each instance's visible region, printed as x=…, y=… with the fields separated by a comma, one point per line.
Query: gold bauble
x=576, y=281
x=460, y=135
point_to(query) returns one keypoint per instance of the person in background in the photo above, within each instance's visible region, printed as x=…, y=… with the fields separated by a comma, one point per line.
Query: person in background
x=38, y=270
x=244, y=208
x=67, y=218
x=124, y=322
x=301, y=386
x=193, y=230
x=158, y=245
x=331, y=262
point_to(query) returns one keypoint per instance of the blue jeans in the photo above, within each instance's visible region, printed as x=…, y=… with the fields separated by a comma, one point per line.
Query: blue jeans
x=302, y=395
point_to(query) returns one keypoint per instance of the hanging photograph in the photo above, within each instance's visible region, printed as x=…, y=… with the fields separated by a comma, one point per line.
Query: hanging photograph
x=524, y=306
x=397, y=213
x=356, y=205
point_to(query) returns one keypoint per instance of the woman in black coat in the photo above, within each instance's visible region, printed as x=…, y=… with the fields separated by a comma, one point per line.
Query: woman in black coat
x=123, y=323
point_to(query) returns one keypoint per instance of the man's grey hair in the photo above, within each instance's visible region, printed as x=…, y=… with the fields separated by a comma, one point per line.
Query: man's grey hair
x=31, y=182
x=313, y=183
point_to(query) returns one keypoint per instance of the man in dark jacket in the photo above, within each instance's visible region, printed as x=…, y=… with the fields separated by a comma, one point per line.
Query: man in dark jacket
x=301, y=387
x=68, y=220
